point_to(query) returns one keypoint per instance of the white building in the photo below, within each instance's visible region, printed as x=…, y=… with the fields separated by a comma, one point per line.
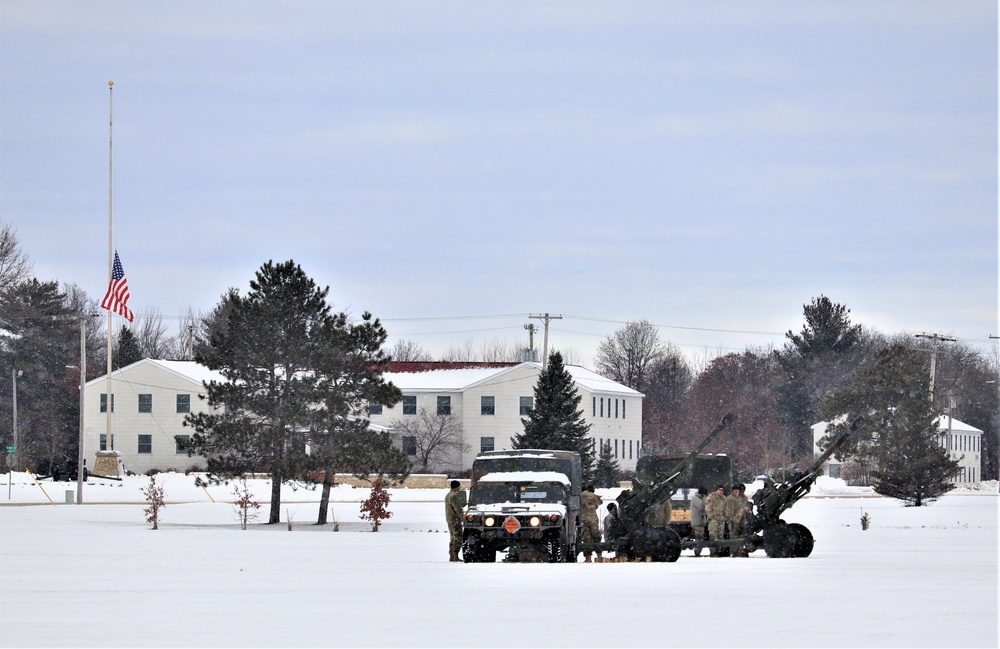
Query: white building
x=964, y=444
x=149, y=399
x=491, y=399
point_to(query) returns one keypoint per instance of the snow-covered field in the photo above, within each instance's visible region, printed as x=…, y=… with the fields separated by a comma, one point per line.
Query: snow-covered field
x=97, y=575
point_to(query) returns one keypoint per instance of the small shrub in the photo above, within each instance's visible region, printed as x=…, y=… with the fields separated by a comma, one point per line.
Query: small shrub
x=154, y=496
x=375, y=508
x=246, y=506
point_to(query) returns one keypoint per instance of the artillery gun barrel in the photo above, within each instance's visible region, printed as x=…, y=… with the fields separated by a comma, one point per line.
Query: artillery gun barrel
x=831, y=449
x=666, y=484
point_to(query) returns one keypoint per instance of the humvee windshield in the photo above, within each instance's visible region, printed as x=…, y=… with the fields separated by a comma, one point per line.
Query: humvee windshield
x=517, y=492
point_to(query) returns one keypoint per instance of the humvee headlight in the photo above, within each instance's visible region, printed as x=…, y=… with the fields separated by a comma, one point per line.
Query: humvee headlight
x=489, y=521
x=534, y=521
x=553, y=517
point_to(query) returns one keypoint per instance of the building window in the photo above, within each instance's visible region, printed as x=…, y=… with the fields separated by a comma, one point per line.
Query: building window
x=616, y=408
x=145, y=444
x=623, y=408
x=410, y=405
x=594, y=407
x=630, y=449
x=487, y=406
x=444, y=405
x=182, y=444
x=104, y=441
x=375, y=409
x=410, y=445
x=526, y=404
x=183, y=403
x=602, y=406
x=104, y=402
x=145, y=403
x=485, y=444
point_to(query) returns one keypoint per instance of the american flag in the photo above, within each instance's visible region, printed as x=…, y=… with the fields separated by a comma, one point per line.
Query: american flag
x=117, y=296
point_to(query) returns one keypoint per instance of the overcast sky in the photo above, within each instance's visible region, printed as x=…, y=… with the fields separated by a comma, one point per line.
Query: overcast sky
x=710, y=167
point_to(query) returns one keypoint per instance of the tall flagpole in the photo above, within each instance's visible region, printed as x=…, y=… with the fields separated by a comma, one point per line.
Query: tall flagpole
x=111, y=176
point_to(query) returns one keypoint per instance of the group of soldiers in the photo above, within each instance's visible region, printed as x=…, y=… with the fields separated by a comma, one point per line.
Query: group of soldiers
x=718, y=514
x=721, y=516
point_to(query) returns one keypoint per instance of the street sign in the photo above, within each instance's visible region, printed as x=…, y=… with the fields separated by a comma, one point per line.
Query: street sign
x=10, y=460
x=11, y=449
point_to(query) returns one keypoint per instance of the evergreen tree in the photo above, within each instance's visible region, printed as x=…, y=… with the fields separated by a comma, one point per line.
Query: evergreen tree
x=902, y=437
x=348, y=368
x=128, y=351
x=607, y=472
x=816, y=362
x=556, y=420
x=264, y=408
x=42, y=339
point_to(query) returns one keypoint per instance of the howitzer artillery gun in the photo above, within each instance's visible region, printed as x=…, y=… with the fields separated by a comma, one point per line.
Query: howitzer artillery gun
x=763, y=525
x=638, y=506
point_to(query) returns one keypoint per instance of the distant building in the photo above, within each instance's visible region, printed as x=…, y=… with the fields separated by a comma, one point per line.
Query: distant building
x=151, y=398
x=491, y=400
x=963, y=442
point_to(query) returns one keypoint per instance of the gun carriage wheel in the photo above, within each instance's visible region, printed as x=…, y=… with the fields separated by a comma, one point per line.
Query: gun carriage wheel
x=803, y=545
x=659, y=543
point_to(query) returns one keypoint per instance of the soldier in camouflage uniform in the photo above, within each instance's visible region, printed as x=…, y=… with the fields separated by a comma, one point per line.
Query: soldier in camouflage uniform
x=591, y=528
x=715, y=510
x=698, y=518
x=735, y=509
x=453, y=515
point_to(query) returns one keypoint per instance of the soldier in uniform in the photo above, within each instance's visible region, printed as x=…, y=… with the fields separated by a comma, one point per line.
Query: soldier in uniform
x=453, y=514
x=612, y=524
x=591, y=528
x=698, y=518
x=715, y=509
x=735, y=504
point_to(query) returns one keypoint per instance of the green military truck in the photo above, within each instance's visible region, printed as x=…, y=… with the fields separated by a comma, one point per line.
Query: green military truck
x=706, y=471
x=525, y=502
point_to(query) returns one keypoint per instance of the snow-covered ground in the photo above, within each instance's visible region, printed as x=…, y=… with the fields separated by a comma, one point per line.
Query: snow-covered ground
x=97, y=575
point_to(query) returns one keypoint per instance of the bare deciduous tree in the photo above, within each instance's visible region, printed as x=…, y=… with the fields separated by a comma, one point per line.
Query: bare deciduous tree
x=15, y=267
x=408, y=351
x=626, y=355
x=151, y=333
x=437, y=438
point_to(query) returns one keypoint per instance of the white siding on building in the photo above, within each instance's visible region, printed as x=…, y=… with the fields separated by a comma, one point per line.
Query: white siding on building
x=963, y=442
x=507, y=385
x=146, y=439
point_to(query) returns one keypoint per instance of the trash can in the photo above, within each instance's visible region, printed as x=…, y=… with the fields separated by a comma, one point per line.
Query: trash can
x=70, y=497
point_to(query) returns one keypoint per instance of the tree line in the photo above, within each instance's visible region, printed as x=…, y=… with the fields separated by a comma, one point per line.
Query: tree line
x=825, y=372
x=777, y=393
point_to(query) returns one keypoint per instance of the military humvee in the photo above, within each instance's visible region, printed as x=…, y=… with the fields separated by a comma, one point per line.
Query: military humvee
x=524, y=501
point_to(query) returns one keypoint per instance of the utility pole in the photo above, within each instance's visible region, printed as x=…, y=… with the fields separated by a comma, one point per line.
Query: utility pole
x=936, y=338
x=545, y=350
x=83, y=401
x=531, y=338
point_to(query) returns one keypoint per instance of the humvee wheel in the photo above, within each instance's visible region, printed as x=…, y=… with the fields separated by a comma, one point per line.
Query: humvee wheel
x=657, y=543
x=557, y=551
x=779, y=541
x=803, y=545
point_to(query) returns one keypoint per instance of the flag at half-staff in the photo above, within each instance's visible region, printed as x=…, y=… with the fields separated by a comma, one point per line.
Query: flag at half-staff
x=117, y=296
